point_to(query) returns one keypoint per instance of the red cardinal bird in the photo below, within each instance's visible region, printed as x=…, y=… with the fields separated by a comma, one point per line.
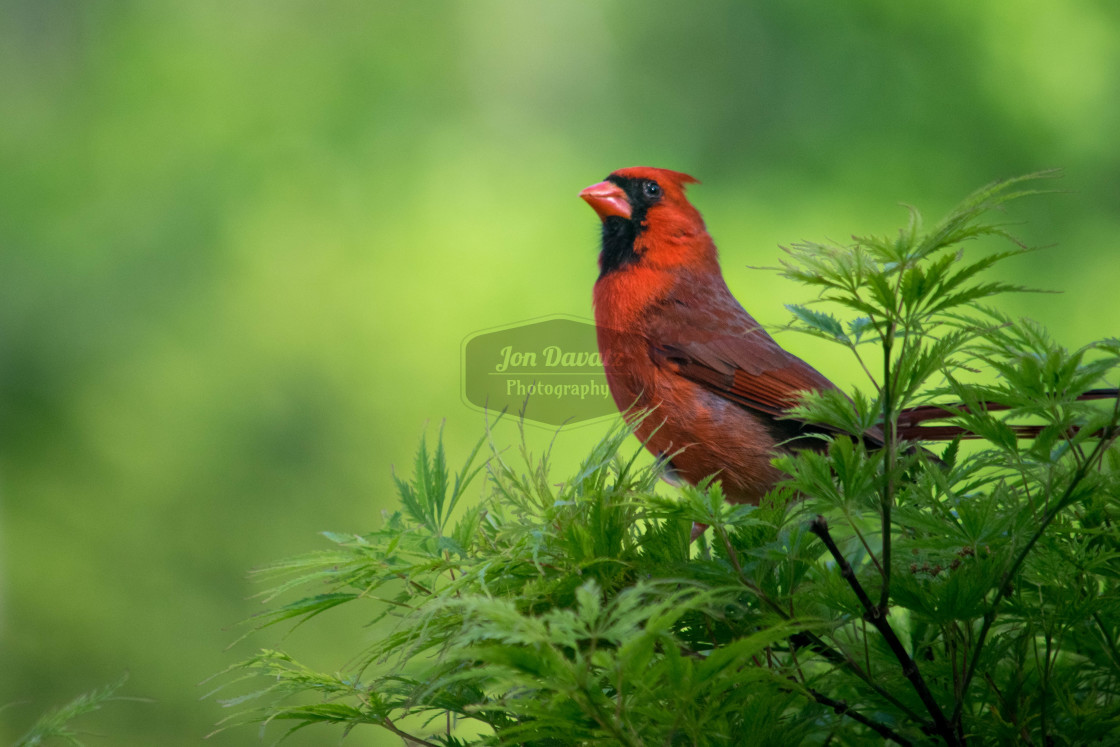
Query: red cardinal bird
x=673, y=338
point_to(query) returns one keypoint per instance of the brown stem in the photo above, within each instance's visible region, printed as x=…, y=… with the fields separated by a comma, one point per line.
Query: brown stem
x=1008, y=577
x=388, y=724
x=890, y=445
x=842, y=708
x=877, y=617
x=812, y=640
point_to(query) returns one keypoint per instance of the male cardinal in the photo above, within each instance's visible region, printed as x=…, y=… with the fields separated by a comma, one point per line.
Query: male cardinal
x=677, y=345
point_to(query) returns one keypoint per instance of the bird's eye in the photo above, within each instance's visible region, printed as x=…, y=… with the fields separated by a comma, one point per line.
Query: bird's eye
x=652, y=190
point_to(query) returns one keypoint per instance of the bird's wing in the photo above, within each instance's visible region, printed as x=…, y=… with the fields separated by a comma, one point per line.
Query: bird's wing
x=750, y=370
x=721, y=348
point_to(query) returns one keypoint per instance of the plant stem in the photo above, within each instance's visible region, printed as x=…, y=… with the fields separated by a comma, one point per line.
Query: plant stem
x=890, y=438
x=815, y=642
x=388, y=724
x=842, y=708
x=1005, y=584
x=877, y=618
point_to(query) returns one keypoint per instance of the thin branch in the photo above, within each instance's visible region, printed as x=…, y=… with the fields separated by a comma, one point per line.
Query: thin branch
x=812, y=640
x=863, y=541
x=842, y=708
x=863, y=365
x=388, y=724
x=806, y=639
x=1109, y=643
x=1005, y=585
x=877, y=617
x=890, y=444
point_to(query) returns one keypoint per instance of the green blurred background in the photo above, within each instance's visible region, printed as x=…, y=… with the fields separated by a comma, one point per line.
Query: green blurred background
x=241, y=244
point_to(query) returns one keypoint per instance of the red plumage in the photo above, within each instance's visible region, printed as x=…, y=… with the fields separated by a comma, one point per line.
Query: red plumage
x=673, y=337
x=674, y=341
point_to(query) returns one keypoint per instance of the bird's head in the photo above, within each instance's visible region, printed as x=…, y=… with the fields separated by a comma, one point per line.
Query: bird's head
x=647, y=220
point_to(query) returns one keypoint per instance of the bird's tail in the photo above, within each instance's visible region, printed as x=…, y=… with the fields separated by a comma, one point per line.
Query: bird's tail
x=912, y=422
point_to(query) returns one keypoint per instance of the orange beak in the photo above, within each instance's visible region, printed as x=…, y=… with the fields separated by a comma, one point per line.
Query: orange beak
x=607, y=199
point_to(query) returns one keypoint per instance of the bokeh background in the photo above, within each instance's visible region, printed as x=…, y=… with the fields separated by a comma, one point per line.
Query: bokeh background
x=242, y=243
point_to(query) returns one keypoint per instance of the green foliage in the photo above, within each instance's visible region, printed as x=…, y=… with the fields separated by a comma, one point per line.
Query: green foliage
x=56, y=726
x=882, y=591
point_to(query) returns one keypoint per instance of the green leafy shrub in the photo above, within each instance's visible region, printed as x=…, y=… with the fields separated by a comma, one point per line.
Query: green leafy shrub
x=970, y=596
x=56, y=726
